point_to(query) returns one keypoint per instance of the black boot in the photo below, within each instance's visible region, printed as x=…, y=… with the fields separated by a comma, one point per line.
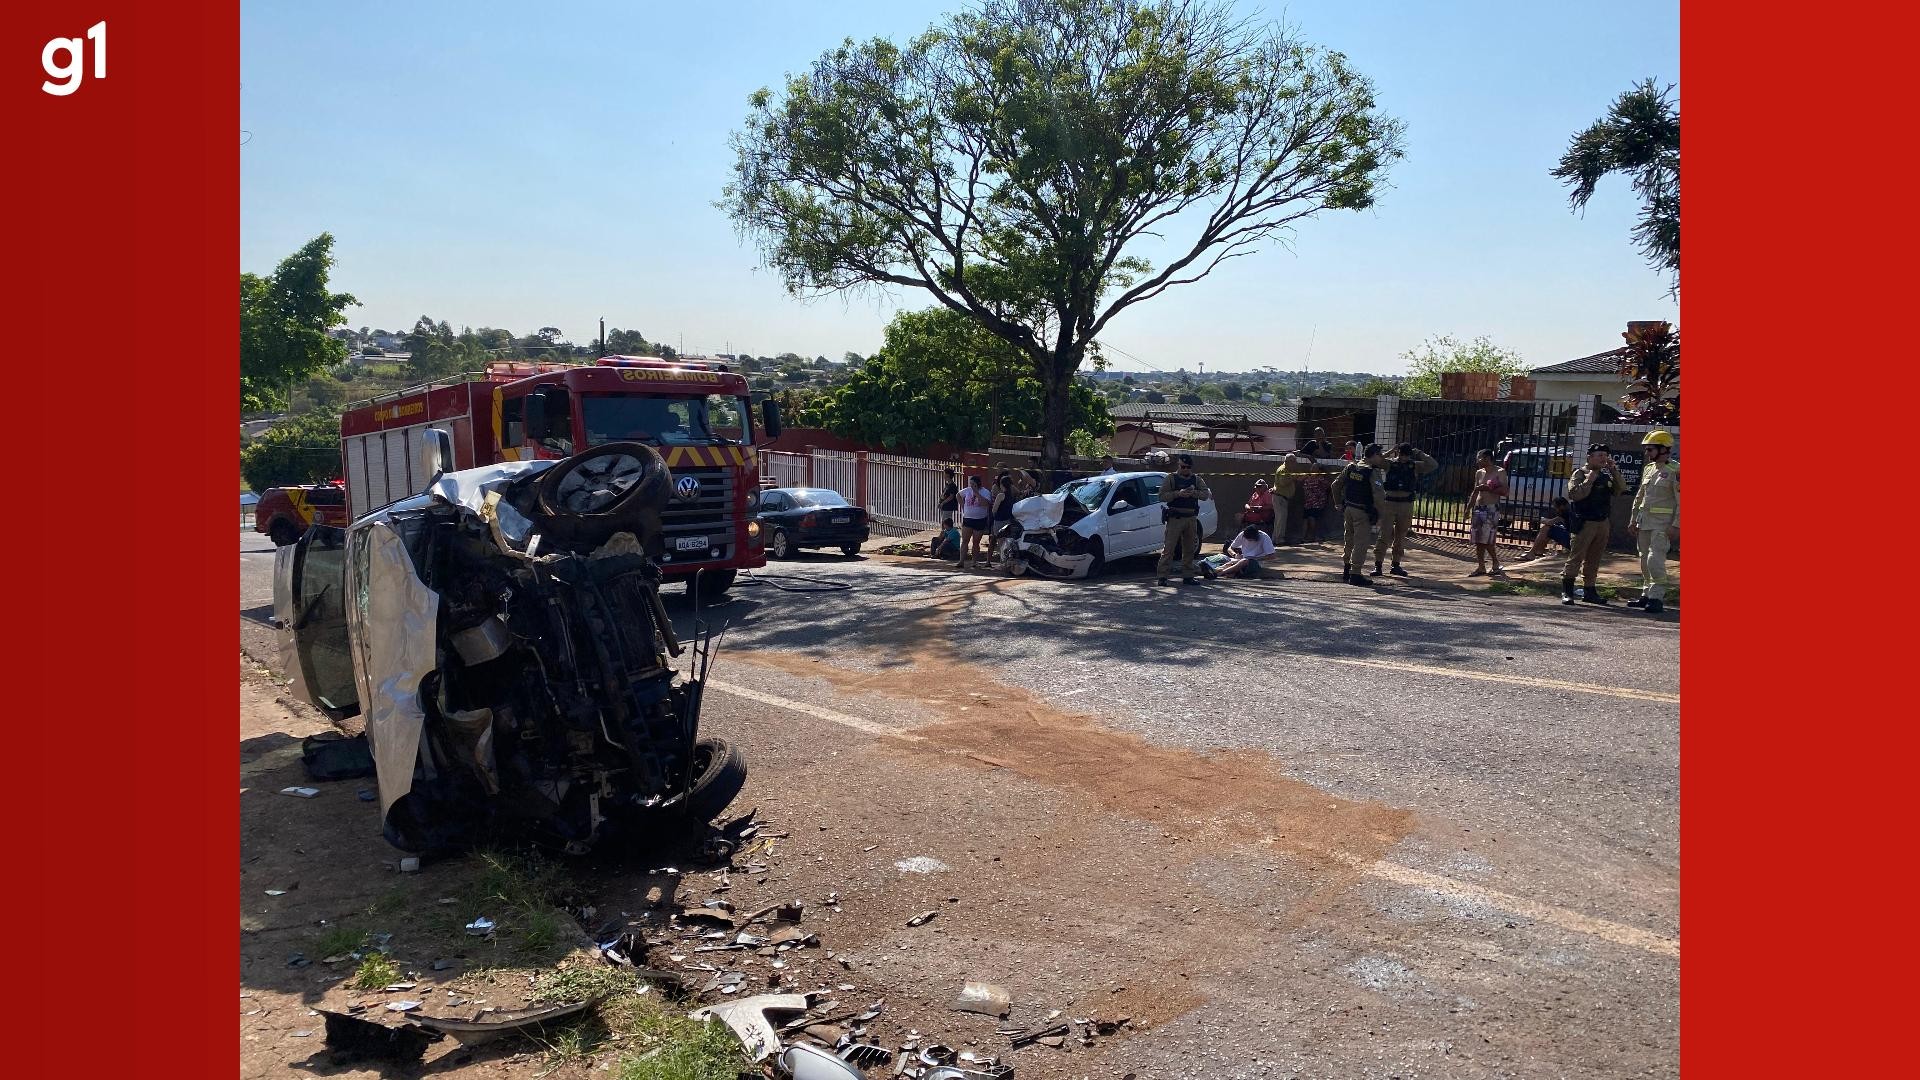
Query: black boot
x=1346, y=571
x=1376, y=568
x=1654, y=607
x=1399, y=572
x=1566, y=590
x=1591, y=595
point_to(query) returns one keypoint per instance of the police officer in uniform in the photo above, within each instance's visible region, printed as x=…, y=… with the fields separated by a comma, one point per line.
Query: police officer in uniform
x=1181, y=494
x=1357, y=488
x=1590, y=494
x=1656, y=518
x=1404, y=469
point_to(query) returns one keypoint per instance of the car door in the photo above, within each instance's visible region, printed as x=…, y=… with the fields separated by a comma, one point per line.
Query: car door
x=1132, y=524
x=310, y=603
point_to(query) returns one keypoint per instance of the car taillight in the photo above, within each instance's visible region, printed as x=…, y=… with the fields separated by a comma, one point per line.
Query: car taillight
x=807, y=522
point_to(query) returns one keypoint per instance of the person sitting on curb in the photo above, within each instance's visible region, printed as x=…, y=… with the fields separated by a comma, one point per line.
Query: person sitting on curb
x=1553, y=529
x=1244, y=552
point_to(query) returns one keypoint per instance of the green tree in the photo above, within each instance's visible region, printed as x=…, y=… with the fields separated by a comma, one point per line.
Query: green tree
x=1231, y=391
x=941, y=377
x=1008, y=159
x=284, y=319
x=1639, y=137
x=1446, y=353
x=301, y=449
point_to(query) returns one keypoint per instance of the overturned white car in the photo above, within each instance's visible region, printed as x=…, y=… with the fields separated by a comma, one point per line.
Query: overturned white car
x=503, y=634
x=1075, y=531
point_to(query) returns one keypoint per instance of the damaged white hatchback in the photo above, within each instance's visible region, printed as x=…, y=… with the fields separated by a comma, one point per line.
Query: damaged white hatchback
x=504, y=637
x=1075, y=531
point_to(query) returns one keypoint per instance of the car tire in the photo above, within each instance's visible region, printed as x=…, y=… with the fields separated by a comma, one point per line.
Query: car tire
x=712, y=582
x=850, y=550
x=719, y=772
x=1098, y=549
x=636, y=510
x=283, y=532
x=781, y=545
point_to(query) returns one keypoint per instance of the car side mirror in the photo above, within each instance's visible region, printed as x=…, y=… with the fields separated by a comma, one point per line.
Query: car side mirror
x=436, y=454
x=1120, y=506
x=770, y=418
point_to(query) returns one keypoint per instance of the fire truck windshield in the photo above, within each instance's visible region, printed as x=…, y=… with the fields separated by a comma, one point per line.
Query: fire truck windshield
x=666, y=421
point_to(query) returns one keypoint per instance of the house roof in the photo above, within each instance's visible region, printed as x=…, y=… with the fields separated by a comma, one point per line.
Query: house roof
x=1252, y=414
x=1174, y=429
x=1606, y=363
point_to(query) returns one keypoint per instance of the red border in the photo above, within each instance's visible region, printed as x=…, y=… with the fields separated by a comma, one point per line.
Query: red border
x=122, y=907
x=1796, y=764
x=122, y=588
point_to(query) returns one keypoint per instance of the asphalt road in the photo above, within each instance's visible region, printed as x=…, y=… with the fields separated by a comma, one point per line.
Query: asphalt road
x=1298, y=828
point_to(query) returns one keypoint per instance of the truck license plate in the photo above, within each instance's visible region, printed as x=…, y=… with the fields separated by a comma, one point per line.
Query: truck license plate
x=842, y=520
x=690, y=543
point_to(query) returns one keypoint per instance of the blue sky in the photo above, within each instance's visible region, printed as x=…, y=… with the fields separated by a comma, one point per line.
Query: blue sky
x=526, y=165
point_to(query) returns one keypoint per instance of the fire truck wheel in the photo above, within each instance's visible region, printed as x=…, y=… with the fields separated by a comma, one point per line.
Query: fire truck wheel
x=283, y=532
x=719, y=772
x=713, y=582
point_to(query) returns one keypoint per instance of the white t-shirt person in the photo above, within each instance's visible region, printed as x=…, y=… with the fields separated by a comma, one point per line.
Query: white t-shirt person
x=1259, y=547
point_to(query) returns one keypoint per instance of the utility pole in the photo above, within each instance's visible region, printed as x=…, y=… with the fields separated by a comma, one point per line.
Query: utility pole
x=603, y=335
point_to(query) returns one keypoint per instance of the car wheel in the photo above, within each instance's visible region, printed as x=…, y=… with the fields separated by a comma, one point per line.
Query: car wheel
x=1098, y=549
x=849, y=550
x=283, y=532
x=719, y=772
x=782, y=546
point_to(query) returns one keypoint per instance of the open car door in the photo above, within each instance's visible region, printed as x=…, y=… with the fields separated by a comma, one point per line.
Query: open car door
x=310, y=605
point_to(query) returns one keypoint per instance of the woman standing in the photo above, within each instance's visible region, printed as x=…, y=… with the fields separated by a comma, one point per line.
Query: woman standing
x=1489, y=486
x=976, y=513
x=1314, y=489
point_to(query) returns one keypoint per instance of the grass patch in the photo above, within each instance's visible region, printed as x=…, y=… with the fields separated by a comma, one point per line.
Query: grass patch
x=339, y=941
x=672, y=1047
x=578, y=982
x=376, y=971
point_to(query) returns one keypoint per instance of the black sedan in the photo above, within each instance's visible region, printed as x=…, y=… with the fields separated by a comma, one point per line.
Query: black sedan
x=798, y=518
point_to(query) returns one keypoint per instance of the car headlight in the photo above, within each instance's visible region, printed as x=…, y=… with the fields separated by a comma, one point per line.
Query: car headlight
x=753, y=530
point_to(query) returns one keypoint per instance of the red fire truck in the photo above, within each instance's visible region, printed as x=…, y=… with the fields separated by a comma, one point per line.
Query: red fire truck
x=696, y=415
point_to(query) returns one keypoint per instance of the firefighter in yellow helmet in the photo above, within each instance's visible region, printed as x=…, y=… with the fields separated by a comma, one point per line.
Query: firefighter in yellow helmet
x=1656, y=517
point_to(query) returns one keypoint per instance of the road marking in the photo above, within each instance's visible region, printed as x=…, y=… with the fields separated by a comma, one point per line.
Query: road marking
x=1605, y=929
x=1387, y=665
x=1564, y=918
x=832, y=716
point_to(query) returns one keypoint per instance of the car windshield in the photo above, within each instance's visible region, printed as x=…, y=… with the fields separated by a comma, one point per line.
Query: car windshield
x=816, y=497
x=1527, y=465
x=665, y=421
x=1088, y=493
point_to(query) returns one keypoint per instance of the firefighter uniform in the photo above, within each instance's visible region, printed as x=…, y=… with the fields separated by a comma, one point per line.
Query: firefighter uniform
x=1403, y=474
x=1357, y=489
x=1590, y=494
x=1181, y=495
x=1656, y=514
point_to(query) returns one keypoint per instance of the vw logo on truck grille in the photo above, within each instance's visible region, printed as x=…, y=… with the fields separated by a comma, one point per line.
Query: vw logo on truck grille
x=687, y=488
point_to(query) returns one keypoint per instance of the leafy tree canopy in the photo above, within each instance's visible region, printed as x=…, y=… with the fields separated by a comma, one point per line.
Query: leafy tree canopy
x=1006, y=161
x=1639, y=137
x=301, y=449
x=1445, y=353
x=284, y=319
x=941, y=377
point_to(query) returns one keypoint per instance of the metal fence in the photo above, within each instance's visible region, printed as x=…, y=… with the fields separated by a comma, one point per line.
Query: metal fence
x=1534, y=440
x=783, y=469
x=904, y=491
x=837, y=469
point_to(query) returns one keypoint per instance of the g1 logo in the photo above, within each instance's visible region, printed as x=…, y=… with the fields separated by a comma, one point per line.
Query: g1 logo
x=73, y=69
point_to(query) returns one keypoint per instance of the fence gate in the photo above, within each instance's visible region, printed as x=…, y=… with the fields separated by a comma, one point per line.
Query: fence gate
x=1534, y=440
